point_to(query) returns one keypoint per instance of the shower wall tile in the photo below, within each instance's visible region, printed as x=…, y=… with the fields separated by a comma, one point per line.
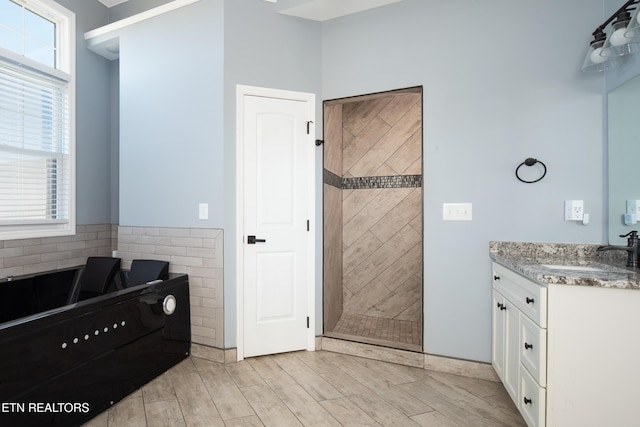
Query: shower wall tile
x=389, y=143
x=398, y=106
x=359, y=251
x=347, y=138
x=399, y=216
x=416, y=223
x=363, y=142
x=332, y=253
x=354, y=201
x=367, y=298
x=357, y=115
x=333, y=138
x=407, y=154
x=373, y=212
x=385, y=170
x=380, y=260
x=415, y=168
x=413, y=313
x=382, y=227
x=402, y=270
x=397, y=301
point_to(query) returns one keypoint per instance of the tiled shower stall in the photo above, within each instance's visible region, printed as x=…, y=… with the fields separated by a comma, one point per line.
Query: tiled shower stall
x=373, y=219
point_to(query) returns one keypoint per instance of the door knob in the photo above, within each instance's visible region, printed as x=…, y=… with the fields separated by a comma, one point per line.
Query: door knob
x=252, y=240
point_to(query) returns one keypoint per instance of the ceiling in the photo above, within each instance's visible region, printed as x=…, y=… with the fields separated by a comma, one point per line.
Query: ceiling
x=316, y=10
x=324, y=10
x=110, y=3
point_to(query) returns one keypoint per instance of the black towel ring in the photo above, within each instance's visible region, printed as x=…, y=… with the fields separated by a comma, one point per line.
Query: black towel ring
x=530, y=162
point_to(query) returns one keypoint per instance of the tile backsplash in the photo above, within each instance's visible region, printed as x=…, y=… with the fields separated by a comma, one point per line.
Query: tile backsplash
x=29, y=256
x=197, y=252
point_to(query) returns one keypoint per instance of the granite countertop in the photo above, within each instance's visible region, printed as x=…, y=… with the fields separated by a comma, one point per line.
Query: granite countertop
x=597, y=269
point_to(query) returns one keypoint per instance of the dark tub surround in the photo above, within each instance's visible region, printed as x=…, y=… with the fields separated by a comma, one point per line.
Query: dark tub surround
x=66, y=364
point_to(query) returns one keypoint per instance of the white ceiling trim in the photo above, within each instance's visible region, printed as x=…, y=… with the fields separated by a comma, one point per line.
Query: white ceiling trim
x=324, y=10
x=111, y=3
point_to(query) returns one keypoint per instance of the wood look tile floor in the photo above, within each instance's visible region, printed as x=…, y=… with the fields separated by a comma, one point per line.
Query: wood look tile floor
x=311, y=389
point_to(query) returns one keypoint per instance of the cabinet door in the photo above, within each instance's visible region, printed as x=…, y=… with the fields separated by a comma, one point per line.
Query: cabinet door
x=512, y=349
x=498, y=331
x=505, y=344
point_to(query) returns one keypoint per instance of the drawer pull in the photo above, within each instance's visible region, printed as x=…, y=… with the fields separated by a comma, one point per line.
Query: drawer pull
x=496, y=277
x=527, y=346
x=530, y=300
x=527, y=401
x=501, y=306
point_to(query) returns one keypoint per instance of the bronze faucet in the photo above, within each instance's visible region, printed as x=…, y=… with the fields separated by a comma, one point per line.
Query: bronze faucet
x=632, y=248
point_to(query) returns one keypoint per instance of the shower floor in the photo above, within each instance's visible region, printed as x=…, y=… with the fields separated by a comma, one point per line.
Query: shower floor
x=402, y=334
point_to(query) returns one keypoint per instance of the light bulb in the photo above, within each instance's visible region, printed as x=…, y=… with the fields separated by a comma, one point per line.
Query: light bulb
x=618, y=38
x=595, y=56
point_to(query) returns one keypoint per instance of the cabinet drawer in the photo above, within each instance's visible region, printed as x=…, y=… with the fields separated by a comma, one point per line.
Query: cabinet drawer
x=532, y=402
x=533, y=349
x=529, y=297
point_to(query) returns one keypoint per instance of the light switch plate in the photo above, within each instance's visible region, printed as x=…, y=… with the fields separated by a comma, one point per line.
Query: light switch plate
x=203, y=211
x=457, y=211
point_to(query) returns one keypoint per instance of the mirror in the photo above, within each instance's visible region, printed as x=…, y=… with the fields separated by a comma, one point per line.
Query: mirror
x=624, y=160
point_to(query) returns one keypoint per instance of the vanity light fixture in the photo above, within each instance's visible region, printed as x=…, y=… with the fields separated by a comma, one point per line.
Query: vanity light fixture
x=594, y=61
x=633, y=30
x=618, y=44
x=605, y=52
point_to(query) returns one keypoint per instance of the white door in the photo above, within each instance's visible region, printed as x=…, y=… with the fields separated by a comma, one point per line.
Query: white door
x=277, y=206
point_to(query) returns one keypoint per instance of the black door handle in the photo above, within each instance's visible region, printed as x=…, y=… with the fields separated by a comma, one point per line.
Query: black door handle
x=252, y=240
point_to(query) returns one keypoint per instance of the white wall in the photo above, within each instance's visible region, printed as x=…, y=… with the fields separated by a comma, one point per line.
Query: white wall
x=502, y=82
x=269, y=50
x=93, y=130
x=171, y=119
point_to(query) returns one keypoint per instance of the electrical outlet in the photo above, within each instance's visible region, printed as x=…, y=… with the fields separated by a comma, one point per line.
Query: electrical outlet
x=573, y=210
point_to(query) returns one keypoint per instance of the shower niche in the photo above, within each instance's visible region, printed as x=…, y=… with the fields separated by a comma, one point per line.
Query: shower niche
x=373, y=219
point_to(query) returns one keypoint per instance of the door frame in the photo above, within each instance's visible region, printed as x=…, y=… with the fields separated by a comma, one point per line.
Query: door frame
x=309, y=98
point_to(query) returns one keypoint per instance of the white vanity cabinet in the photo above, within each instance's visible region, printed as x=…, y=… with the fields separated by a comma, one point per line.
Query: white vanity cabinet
x=519, y=341
x=568, y=355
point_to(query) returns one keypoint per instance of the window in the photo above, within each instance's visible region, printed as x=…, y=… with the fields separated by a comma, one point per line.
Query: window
x=37, y=144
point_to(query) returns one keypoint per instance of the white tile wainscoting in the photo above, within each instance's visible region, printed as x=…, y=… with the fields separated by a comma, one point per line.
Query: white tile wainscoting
x=30, y=256
x=197, y=252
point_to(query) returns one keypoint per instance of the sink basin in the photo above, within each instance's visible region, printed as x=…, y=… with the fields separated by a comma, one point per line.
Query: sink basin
x=572, y=267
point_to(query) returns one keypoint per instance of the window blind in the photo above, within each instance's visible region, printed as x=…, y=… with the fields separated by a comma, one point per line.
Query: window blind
x=34, y=147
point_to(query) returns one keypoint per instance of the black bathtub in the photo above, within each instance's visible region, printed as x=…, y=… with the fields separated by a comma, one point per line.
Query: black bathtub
x=65, y=364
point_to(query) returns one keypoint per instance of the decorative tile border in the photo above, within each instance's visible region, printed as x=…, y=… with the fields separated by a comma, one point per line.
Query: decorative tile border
x=332, y=179
x=398, y=181
x=367, y=182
